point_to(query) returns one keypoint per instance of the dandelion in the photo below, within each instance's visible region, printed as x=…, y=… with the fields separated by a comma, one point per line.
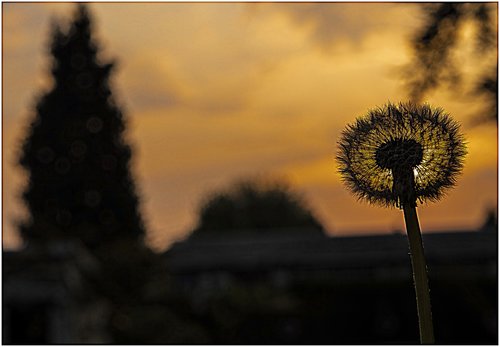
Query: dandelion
x=399, y=155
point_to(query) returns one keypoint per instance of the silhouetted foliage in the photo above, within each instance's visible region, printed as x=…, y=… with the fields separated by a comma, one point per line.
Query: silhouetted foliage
x=256, y=205
x=490, y=221
x=78, y=162
x=80, y=186
x=434, y=65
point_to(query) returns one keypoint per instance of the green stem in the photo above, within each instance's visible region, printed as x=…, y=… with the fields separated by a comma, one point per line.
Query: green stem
x=419, y=274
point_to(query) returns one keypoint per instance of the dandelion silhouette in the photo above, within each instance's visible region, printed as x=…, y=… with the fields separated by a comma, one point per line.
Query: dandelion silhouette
x=399, y=155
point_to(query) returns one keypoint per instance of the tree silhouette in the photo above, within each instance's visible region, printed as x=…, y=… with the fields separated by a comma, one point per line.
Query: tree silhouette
x=256, y=205
x=80, y=186
x=433, y=63
x=78, y=162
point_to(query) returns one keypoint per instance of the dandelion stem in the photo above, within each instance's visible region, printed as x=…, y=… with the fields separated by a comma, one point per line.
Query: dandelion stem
x=419, y=274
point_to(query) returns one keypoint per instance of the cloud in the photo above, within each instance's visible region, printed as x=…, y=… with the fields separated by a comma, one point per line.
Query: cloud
x=183, y=55
x=328, y=24
x=219, y=91
x=150, y=86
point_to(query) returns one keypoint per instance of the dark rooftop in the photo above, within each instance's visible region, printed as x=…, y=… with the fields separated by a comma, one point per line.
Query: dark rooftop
x=245, y=251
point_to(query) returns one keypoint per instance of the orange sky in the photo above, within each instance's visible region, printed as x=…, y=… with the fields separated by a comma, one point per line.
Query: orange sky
x=220, y=91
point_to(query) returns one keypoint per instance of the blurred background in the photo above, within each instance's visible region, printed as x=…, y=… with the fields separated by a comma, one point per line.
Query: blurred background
x=169, y=173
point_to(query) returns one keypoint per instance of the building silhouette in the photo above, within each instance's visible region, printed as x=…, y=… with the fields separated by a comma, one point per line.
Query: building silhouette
x=279, y=287
x=299, y=287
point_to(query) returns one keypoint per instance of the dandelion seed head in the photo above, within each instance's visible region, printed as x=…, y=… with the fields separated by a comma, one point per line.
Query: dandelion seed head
x=401, y=153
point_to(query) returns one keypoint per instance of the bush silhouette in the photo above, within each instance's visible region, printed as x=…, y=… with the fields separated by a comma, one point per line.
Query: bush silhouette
x=258, y=205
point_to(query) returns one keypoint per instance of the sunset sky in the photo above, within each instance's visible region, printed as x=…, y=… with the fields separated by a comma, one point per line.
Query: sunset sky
x=216, y=92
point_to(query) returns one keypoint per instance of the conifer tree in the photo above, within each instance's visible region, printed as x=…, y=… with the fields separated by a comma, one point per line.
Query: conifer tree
x=80, y=185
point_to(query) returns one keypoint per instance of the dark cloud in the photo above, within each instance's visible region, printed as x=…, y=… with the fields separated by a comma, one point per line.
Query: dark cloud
x=150, y=86
x=329, y=23
x=147, y=97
